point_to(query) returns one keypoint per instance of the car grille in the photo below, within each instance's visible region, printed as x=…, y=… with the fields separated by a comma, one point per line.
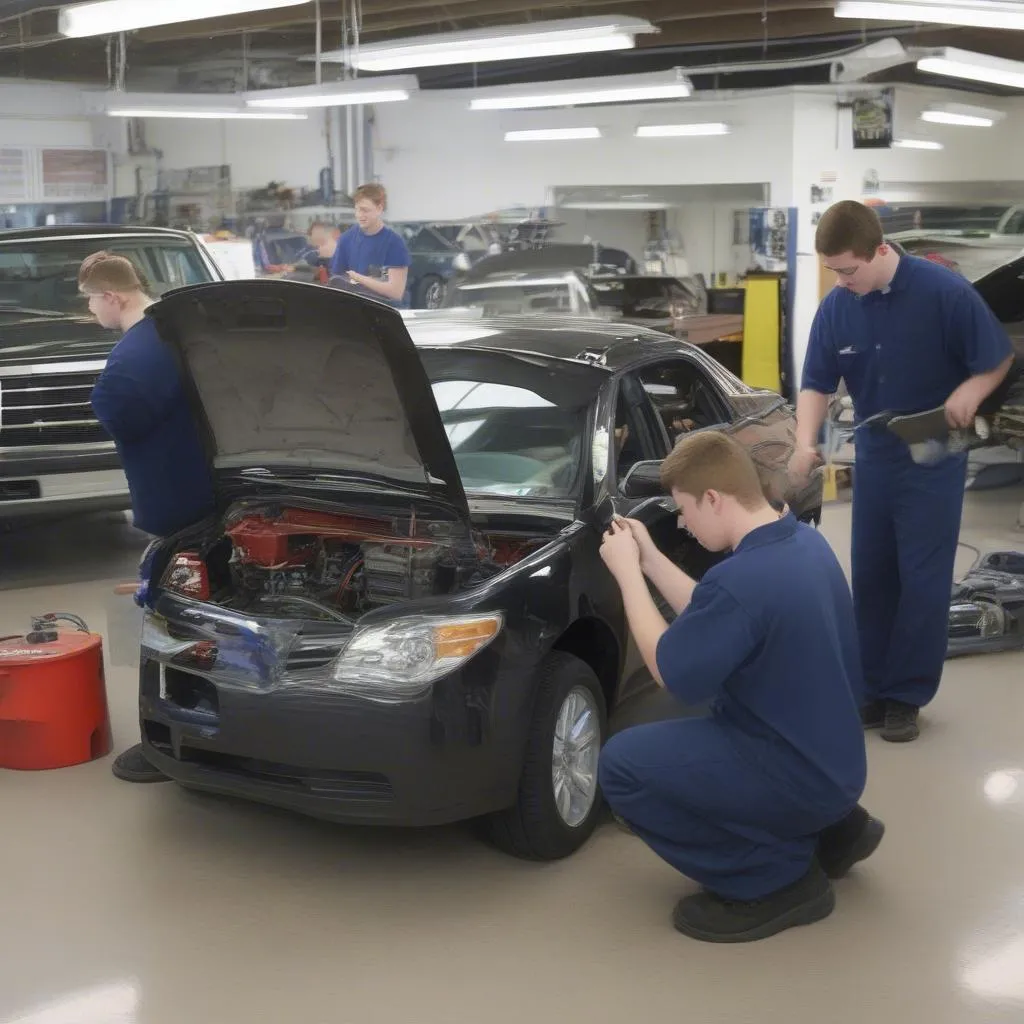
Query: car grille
x=48, y=408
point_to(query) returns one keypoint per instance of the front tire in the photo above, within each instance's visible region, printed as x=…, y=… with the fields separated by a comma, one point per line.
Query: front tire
x=559, y=799
x=430, y=293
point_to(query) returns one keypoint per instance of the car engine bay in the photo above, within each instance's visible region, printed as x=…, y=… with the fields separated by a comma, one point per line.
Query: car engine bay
x=290, y=561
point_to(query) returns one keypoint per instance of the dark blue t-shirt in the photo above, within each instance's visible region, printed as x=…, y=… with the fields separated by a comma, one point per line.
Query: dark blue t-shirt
x=371, y=255
x=140, y=401
x=769, y=637
x=904, y=350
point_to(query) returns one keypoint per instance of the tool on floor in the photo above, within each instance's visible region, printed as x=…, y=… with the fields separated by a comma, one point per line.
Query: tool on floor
x=53, y=696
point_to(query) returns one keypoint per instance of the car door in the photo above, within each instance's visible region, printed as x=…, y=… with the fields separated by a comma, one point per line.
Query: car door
x=633, y=437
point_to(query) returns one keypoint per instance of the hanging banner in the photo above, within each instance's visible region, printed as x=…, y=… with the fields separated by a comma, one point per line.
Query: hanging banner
x=872, y=120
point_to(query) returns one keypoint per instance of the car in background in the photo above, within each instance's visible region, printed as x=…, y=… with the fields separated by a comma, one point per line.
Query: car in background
x=399, y=614
x=435, y=261
x=557, y=280
x=54, y=455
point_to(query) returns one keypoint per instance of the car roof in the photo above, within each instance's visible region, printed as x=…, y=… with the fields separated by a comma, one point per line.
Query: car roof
x=88, y=230
x=608, y=346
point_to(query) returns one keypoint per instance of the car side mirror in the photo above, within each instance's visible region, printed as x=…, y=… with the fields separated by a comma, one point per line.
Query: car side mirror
x=643, y=481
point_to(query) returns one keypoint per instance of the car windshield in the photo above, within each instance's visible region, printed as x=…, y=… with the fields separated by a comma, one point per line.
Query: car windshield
x=42, y=274
x=515, y=428
x=511, y=298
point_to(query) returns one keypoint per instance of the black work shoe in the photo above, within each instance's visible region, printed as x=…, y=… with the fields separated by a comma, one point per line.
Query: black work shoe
x=710, y=918
x=872, y=714
x=848, y=842
x=132, y=766
x=900, y=724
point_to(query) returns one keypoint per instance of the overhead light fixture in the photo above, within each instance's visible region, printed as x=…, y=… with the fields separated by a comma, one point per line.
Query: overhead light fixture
x=916, y=144
x=676, y=131
x=478, y=46
x=106, y=17
x=195, y=106
x=354, y=92
x=581, y=92
x=993, y=14
x=962, y=115
x=975, y=67
x=552, y=134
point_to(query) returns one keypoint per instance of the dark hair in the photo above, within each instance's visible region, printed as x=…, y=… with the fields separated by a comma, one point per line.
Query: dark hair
x=713, y=461
x=849, y=226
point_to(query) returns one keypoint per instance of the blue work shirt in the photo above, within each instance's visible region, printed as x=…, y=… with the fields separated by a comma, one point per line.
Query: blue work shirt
x=371, y=255
x=904, y=350
x=769, y=637
x=141, y=403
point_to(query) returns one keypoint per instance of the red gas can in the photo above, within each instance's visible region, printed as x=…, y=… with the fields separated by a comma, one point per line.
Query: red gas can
x=53, y=702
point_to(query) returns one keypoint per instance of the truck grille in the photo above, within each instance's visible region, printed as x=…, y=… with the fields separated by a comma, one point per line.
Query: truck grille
x=48, y=408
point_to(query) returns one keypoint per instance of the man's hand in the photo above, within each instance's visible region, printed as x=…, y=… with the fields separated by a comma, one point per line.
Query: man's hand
x=356, y=278
x=620, y=551
x=962, y=406
x=645, y=544
x=802, y=463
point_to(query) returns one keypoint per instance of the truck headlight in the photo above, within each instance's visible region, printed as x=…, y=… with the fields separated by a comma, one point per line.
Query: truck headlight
x=403, y=658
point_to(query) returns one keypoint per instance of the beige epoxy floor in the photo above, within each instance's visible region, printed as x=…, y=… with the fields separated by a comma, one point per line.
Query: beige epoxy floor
x=123, y=903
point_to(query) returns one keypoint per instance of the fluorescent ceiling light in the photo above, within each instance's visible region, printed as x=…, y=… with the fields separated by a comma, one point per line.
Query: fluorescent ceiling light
x=206, y=115
x=674, y=131
x=199, y=106
x=961, y=114
x=995, y=14
x=106, y=17
x=662, y=85
x=338, y=94
x=552, y=134
x=976, y=67
x=540, y=39
x=916, y=144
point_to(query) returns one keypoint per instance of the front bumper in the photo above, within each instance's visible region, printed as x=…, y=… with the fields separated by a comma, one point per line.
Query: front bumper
x=986, y=611
x=293, y=742
x=24, y=493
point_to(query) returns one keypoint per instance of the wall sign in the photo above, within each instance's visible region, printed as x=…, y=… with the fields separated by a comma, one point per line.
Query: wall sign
x=872, y=120
x=15, y=181
x=74, y=174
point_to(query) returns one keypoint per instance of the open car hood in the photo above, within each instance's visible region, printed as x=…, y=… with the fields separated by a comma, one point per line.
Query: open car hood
x=293, y=376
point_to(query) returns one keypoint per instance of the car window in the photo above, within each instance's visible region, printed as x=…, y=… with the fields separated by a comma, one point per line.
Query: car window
x=628, y=438
x=42, y=274
x=1015, y=225
x=682, y=396
x=509, y=439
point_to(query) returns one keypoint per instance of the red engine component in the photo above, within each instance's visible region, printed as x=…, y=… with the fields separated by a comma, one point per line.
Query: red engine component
x=287, y=539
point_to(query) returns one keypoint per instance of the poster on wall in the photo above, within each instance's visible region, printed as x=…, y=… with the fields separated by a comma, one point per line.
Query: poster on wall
x=79, y=174
x=14, y=175
x=872, y=120
x=769, y=239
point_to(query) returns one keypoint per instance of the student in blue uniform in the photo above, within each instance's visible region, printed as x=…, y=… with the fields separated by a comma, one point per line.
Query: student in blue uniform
x=756, y=801
x=370, y=254
x=906, y=335
x=140, y=401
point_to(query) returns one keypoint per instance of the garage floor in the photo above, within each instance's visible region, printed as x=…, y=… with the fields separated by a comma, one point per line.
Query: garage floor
x=123, y=903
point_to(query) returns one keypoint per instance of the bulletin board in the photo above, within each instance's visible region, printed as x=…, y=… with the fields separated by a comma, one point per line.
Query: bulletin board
x=38, y=174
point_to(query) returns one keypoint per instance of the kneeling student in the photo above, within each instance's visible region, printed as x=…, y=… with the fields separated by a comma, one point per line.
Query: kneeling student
x=757, y=801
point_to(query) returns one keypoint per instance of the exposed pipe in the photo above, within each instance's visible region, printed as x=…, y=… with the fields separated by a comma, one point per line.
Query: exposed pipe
x=350, y=152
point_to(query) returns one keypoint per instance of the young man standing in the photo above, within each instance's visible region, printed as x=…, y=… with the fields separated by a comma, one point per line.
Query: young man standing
x=370, y=254
x=906, y=335
x=140, y=401
x=757, y=801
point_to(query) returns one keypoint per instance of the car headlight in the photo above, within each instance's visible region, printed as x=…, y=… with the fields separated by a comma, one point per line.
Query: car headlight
x=403, y=658
x=461, y=262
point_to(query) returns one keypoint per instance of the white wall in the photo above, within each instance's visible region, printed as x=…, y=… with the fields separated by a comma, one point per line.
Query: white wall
x=291, y=152
x=42, y=114
x=438, y=159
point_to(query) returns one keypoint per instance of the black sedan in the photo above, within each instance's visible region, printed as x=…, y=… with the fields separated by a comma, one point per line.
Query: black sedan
x=398, y=613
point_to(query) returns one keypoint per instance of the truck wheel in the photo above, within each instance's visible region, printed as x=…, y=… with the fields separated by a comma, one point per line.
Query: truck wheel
x=559, y=798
